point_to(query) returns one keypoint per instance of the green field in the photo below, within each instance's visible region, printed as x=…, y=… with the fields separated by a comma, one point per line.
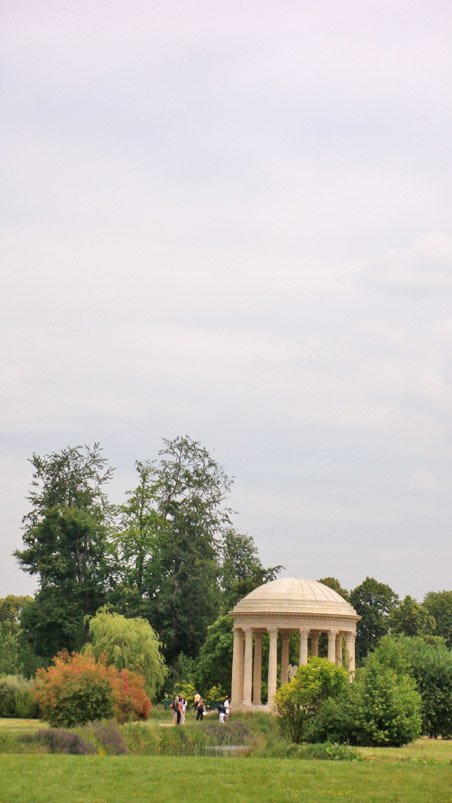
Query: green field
x=418, y=772
x=95, y=779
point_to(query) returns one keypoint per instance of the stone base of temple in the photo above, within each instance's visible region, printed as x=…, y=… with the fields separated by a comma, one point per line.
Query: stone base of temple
x=267, y=708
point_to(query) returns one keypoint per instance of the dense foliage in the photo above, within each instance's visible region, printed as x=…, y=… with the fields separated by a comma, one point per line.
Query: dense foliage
x=168, y=551
x=214, y=662
x=66, y=546
x=169, y=565
x=389, y=707
x=299, y=701
x=180, y=551
x=127, y=644
x=439, y=605
x=430, y=665
x=381, y=708
x=15, y=655
x=77, y=688
x=373, y=601
x=411, y=619
x=16, y=697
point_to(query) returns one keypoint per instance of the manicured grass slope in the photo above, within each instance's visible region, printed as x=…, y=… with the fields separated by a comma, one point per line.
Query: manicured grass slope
x=10, y=725
x=117, y=779
x=424, y=750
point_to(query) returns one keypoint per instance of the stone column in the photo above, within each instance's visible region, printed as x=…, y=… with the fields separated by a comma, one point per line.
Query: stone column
x=237, y=668
x=332, y=645
x=314, y=644
x=257, y=676
x=248, y=666
x=272, y=664
x=350, y=648
x=284, y=657
x=304, y=646
x=339, y=649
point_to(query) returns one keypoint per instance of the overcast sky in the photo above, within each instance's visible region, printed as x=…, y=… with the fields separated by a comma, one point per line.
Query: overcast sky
x=233, y=220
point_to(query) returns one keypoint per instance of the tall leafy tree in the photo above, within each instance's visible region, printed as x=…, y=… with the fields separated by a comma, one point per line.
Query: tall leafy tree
x=52, y=622
x=183, y=578
x=179, y=560
x=214, y=663
x=439, y=605
x=373, y=601
x=169, y=540
x=188, y=475
x=11, y=648
x=66, y=545
x=411, y=619
x=74, y=477
x=136, y=542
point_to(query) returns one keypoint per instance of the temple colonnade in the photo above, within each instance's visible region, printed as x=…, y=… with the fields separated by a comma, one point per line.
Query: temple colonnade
x=246, y=691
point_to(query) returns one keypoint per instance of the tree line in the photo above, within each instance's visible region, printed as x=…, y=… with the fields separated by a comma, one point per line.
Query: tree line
x=169, y=554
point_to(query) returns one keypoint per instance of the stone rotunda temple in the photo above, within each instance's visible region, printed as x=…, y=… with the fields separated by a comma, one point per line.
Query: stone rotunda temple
x=280, y=608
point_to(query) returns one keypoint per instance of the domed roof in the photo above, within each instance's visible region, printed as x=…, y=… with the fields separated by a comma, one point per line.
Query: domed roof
x=294, y=595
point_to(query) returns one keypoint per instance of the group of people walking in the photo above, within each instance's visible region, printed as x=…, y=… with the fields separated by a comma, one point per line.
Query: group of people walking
x=179, y=707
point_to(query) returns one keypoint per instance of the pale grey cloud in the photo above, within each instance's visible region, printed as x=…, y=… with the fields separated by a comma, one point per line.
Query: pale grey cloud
x=235, y=222
x=423, y=478
x=425, y=267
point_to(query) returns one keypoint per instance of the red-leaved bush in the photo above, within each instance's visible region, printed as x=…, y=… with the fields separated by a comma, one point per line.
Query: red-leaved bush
x=76, y=689
x=131, y=700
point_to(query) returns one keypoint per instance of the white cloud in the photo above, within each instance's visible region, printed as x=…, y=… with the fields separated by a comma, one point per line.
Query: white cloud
x=423, y=268
x=423, y=478
x=193, y=190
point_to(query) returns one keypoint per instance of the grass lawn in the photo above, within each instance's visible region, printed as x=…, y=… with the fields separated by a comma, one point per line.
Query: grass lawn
x=126, y=778
x=418, y=772
x=422, y=750
x=9, y=725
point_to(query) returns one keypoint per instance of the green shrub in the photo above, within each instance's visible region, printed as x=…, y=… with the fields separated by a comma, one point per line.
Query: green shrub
x=16, y=698
x=78, y=689
x=74, y=690
x=430, y=664
x=390, y=707
x=381, y=708
x=337, y=719
x=9, y=686
x=26, y=704
x=299, y=701
x=328, y=751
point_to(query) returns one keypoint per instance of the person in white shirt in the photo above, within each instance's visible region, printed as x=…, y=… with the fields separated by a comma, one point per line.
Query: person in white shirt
x=227, y=706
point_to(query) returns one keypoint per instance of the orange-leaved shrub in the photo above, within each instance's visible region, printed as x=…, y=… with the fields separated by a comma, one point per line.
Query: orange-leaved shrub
x=76, y=689
x=129, y=695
